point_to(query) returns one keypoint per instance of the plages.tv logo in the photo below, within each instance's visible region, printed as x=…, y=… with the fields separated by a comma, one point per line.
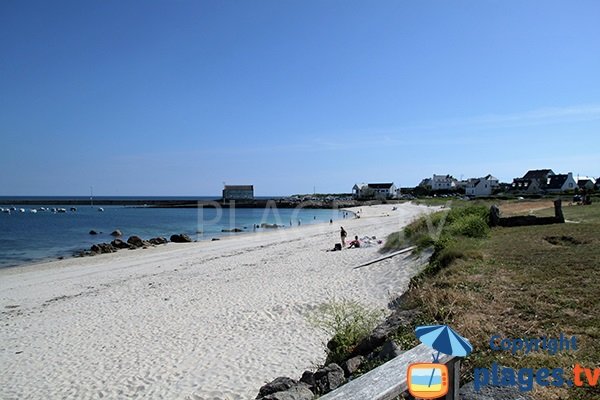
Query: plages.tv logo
x=430, y=380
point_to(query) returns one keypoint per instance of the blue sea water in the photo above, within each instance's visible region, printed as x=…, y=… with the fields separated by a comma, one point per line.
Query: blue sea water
x=27, y=237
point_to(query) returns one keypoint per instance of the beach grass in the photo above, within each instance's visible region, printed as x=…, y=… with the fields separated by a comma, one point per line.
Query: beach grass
x=519, y=282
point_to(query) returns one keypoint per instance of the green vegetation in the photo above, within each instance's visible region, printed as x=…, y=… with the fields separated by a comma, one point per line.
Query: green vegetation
x=517, y=282
x=347, y=323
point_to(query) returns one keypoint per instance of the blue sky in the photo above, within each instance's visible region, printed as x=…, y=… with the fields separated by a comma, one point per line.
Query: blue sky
x=177, y=97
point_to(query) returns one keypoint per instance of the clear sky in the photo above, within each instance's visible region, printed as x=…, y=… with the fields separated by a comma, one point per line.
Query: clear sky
x=177, y=97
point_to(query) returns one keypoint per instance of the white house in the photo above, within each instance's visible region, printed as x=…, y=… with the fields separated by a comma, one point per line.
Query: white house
x=443, y=182
x=481, y=187
x=374, y=191
x=561, y=183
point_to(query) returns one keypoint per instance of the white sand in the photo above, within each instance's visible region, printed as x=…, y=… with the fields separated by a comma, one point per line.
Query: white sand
x=207, y=320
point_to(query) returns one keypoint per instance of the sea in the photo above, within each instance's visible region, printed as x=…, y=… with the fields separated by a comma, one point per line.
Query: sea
x=31, y=236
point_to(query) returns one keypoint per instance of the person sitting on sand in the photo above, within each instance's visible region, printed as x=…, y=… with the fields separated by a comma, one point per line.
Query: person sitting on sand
x=355, y=243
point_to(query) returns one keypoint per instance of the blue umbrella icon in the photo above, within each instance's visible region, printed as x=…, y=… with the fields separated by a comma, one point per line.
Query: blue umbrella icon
x=445, y=340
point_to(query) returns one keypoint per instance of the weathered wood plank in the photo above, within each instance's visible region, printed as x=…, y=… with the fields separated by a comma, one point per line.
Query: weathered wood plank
x=390, y=255
x=386, y=381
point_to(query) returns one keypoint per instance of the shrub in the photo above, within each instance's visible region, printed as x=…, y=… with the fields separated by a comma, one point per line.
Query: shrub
x=471, y=225
x=347, y=323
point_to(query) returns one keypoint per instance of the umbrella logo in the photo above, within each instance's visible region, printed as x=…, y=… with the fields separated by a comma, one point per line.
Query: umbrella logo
x=430, y=380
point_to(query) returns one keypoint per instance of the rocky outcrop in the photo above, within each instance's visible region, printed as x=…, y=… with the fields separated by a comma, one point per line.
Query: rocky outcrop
x=352, y=365
x=181, y=238
x=158, y=240
x=232, y=230
x=116, y=232
x=328, y=378
x=120, y=244
x=137, y=242
x=102, y=248
x=284, y=388
x=93, y=232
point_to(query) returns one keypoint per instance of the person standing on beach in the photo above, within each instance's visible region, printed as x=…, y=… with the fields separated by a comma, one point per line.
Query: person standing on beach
x=343, y=235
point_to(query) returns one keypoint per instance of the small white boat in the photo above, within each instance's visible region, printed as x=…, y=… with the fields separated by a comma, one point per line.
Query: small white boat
x=13, y=209
x=6, y=210
x=21, y=210
x=73, y=209
x=61, y=210
x=42, y=208
x=53, y=210
x=33, y=211
x=100, y=209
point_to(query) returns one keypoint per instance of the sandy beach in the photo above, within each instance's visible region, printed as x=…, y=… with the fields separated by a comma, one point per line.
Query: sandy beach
x=206, y=320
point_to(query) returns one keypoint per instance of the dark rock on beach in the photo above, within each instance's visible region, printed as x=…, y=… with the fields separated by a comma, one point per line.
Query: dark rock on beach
x=284, y=388
x=116, y=233
x=136, y=242
x=298, y=392
x=181, y=238
x=93, y=232
x=232, y=230
x=390, y=350
x=102, y=248
x=277, y=385
x=158, y=240
x=352, y=365
x=328, y=378
x=120, y=244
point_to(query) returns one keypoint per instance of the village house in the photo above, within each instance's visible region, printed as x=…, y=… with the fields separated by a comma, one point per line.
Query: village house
x=443, y=182
x=364, y=191
x=533, y=182
x=481, y=187
x=586, y=182
x=561, y=183
x=238, y=192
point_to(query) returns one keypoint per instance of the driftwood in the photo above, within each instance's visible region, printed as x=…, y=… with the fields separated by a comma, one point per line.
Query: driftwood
x=527, y=220
x=385, y=257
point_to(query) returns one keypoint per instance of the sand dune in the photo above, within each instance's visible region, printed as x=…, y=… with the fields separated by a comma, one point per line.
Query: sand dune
x=208, y=320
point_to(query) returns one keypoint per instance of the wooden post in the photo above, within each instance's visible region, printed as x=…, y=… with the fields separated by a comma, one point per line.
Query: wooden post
x=494, y=216
x=558, y=214
x=453, y=379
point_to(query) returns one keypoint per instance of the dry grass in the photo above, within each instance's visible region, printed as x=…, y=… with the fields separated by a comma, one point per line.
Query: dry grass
x=525, y=286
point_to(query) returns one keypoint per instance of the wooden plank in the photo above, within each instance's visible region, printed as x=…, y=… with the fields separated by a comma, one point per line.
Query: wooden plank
x=386, y=257
x=386, y=381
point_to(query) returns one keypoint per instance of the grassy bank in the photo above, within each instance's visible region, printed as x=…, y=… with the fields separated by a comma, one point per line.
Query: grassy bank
x=515, y=282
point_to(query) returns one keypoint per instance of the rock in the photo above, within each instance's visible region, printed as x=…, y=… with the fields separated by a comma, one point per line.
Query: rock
x=381, y=333
x=214, y=239
x=298, y=392
x=308, y=378
x=93, y=232
x=102, y=248
x=120, y=244
x=232, y=230
x=277, y=385
x=467, y=392
x=181, y=238
x=390, y=350
x=136, y=241
x=158, y=240
x=117, y=233
x=352, y=365
x=328, y=378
